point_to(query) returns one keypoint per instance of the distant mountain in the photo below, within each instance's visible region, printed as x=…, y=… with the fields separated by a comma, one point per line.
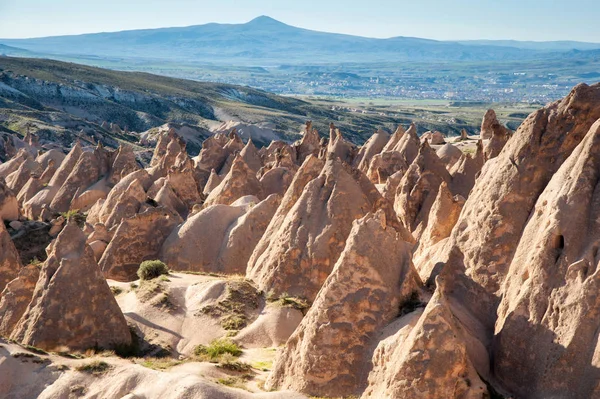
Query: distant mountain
x=538, y=46
x=14, y=51
x=265, y=41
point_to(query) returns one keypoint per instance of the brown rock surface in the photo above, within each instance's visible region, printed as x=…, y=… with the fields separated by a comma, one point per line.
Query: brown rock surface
x=15, y=298
x=136, y=239
x=328, y=352
x=310, y=169
x=10, y=263
x=306, y=244
x=449, y=154
x=394, y=139
x=309, y=144
x=427, y=358
x=465, y=171
x=72, y=305
x=484, y=240
x=240, y=181
x=488, y=123
x=373, y=146
x=385, y=164
x=418, y=189
x=9, y=206
x=549, y=317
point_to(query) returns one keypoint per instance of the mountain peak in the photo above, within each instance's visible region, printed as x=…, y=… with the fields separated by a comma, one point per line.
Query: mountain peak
x=263, y=20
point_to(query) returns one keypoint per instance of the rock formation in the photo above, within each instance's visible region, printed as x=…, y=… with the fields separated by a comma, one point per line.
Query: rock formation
x=15, y=298
x=427, y=358
x=10, y=263
x=240, y=181
x=305, y=246
x=136, y=239
x=72, y=305
x=372, y=147
x=548, y=319
x=368, y=284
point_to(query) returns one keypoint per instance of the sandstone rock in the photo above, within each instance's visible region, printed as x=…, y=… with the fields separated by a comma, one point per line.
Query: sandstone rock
x=15, y=298
x=442, y=219
x=311, y=237
x=212, y=155
x=487, y=124
x=394, y=139
x=240, y=181
x=213, y=181
x=465, y=171
x=16, y=180
x=124, y=164
x=309, y=144
x=548, y=320
x=167, y=198
x=340, y=147
x=498, y=136
x=183, y=184
x=10, y=263
x=276, y=181
x=485, y=237
x=327, y=353
x=72, y=305
x=220, y=238
x=309, y=170
x=137, y=239
x=427, y=360
x=418, y=189
x=386, y=164
x=13, y=164
x=372, y=147
x=434, y=138
x=127, y=205
x=53, y=155
x=449, y=154
x=242, y=237
x=409, y=144
x=251, y=156
x=9, y=206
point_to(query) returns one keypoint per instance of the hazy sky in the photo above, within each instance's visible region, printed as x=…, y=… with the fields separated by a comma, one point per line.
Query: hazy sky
x=436, y=19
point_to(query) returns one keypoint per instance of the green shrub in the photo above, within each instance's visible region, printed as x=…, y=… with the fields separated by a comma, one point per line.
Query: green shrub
x=96, y=367
x=217, y=348
x=150, y=269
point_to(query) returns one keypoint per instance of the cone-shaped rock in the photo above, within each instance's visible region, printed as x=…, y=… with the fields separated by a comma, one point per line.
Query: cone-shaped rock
x=547, y=330
x=309, y=170
x=15, y=298
x=488, y=123
x=429, y=360
x=418, y=189
x=9, y=206
x=490, y=226
x=372, y=147
x=465, y=171
x=212, y=155
x=72, y=306
x=449, y=154
x=408, y=145
x=327, y=353
x=497, y=140
x=309, y=144
x=10, y=264
x=137, y=239
x=307, y=243
x=213, y=181
x=384, y=165
x=251, y=156
x=394, y=139
x=240, y=181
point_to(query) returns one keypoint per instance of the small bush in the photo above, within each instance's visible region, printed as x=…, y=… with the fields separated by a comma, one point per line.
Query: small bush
x=116, y=290
x=230, y=362
x=150, y=269
x=96, y=367
x=218, y=348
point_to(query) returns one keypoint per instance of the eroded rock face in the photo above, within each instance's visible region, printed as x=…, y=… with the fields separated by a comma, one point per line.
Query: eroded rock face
x=427, y=358
x=327, y=353
x=72, y=306
x=305, y=246
x=137, y=238
x=394, y=139
x=9, y=206
x=386, y=164
x=409, y=144
x=338, y=147
x=240, y=181
x=309, y=144
x=548, y=319
x=418, y=189
x=309, y=170
x=485, y=238
x=465, y=171
x=488, y=123
x=15, y=298
x=449, y=154
x=373, y=146
x=498, y=136
x=9, y=258
x=251, y=156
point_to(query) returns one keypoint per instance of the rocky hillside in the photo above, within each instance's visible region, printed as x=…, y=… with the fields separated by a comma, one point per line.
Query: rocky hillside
x=408, y=267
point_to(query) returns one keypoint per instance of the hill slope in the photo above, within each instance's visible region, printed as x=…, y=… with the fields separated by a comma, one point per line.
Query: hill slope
x=264, y=41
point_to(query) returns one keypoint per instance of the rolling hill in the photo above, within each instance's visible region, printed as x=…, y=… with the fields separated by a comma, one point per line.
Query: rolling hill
x=265, y=41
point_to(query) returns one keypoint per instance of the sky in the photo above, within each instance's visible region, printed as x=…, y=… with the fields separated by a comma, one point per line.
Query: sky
x=538, y=20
